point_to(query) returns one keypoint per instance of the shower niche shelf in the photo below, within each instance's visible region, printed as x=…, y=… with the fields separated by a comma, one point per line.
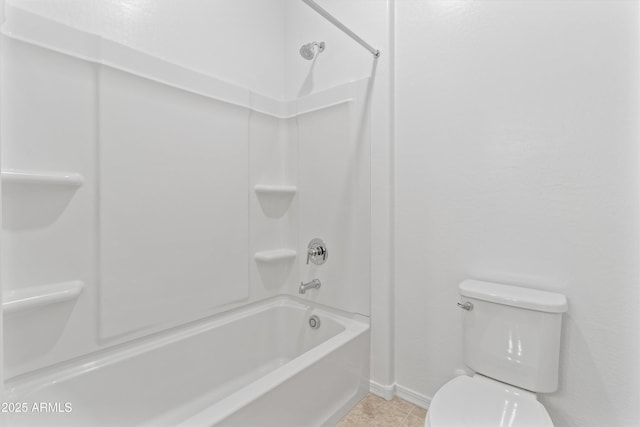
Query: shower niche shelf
x=40, y=296
x=276, y=190
x=275, y=255
x=36, y=199
x=41, y=178
x=275, y=199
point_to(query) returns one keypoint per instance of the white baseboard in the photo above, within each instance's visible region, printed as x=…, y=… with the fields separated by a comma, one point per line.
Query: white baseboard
x=412, y=396
x=385, y=391
x=389, y=391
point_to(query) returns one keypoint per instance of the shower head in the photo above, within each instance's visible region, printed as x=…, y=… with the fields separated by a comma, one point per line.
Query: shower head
x=307, y=51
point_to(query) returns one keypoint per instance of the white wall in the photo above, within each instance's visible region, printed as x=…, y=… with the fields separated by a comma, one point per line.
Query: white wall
x=517, y=161
x=225, y=39
x=2, y=5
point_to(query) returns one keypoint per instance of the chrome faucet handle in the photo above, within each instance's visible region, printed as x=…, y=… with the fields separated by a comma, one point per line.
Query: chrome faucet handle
x=317, y=252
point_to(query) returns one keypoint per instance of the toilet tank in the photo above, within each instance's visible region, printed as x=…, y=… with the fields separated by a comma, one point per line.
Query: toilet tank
x=512, y=333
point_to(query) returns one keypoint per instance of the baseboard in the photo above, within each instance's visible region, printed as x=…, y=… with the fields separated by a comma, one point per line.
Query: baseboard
x=412, y=396
x=385, y=391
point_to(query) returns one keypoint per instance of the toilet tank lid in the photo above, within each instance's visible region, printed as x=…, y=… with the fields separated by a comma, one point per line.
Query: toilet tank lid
x=515, y=296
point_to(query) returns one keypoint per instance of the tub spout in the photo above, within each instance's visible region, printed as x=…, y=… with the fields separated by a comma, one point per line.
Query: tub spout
x=314, y=284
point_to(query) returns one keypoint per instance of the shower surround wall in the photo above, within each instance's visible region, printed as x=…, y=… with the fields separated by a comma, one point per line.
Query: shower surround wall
x=345, y=60
x=136, y=247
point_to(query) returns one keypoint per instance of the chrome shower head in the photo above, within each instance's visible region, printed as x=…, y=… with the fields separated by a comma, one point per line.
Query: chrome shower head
x=307, y=51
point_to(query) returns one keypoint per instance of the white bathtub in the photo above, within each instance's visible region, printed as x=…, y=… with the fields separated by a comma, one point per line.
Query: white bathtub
x=258, y=366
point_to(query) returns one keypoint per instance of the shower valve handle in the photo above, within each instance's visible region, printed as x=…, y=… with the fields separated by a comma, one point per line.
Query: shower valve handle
x=317, y=252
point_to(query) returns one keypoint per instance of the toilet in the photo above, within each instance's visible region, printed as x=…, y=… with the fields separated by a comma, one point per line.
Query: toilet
x=511, y=338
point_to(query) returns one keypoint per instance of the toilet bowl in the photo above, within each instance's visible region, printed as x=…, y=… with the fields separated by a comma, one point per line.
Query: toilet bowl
x=482, y=402
x=511, y=338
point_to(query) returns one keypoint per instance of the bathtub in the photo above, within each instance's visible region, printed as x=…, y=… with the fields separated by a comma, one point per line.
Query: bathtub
x=262, y=365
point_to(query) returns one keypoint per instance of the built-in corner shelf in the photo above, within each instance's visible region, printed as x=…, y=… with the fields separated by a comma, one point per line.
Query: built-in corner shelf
x=275, y=190
x=275, y=200
x=275, y=255
x=13, y=176
x=40, y=296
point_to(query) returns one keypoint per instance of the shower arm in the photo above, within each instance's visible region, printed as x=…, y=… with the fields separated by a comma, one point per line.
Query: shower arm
x=329, y=17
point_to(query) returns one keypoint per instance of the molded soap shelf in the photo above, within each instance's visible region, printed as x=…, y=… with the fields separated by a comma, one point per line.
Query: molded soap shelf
x=12, y=176
x=275, y=199
x=39, y=296
x=276, y=190
x=275, y=255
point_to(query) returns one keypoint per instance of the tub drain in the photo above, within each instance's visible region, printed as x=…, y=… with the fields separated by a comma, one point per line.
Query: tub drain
x=314, y=322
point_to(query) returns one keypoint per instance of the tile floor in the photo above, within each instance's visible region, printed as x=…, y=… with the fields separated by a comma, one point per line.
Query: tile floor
x=374, y=411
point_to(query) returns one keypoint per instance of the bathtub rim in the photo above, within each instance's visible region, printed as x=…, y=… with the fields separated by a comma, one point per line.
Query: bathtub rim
x=34, y=381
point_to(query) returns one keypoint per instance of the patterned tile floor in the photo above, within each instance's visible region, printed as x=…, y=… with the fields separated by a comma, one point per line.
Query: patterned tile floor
x=374, y=411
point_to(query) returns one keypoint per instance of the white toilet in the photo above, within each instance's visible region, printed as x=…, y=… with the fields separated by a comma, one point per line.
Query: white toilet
x=512, y=341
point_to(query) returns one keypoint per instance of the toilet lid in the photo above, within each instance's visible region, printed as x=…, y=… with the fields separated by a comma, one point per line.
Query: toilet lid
x=482, y=402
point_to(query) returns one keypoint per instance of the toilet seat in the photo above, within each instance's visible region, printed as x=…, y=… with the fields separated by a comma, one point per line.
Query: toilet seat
x=483, y=402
